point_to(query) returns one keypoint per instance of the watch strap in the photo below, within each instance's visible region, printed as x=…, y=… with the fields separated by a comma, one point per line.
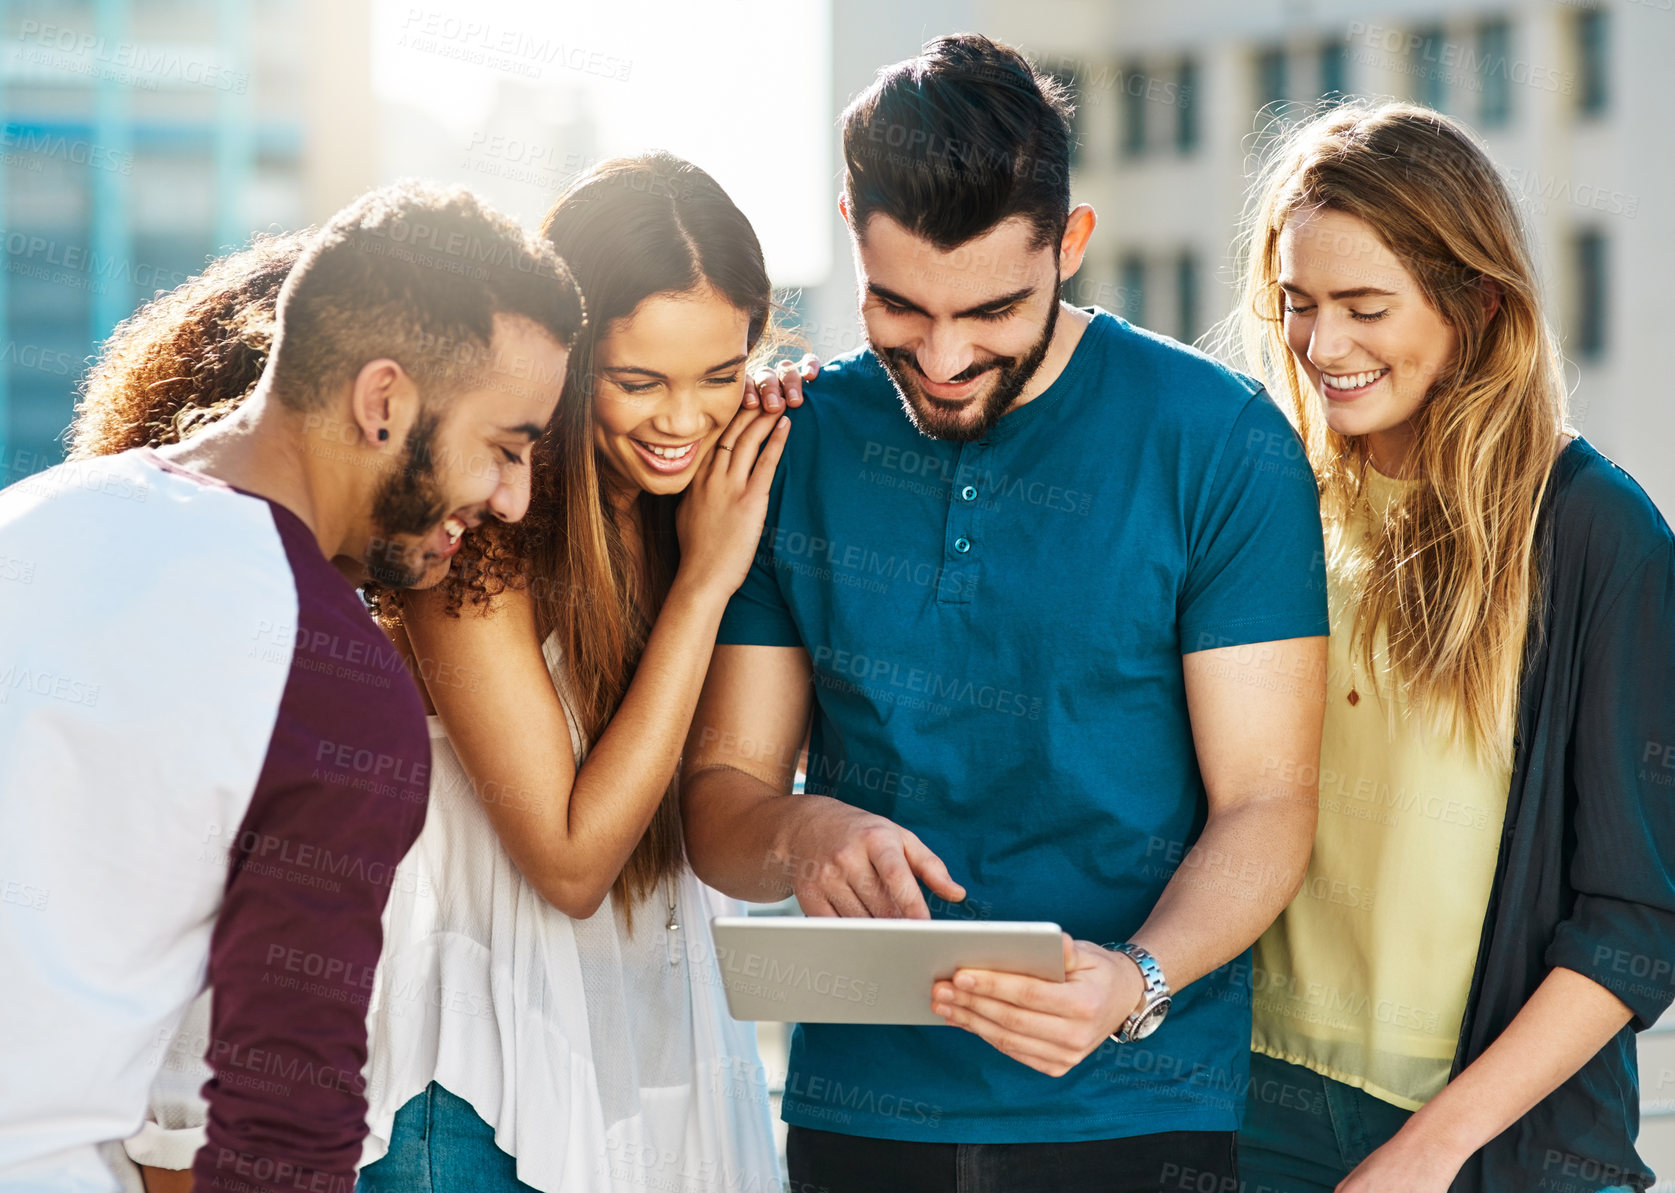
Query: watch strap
x=1156, y=989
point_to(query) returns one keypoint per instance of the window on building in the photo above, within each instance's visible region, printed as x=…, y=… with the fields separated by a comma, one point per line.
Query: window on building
x=1186, y=295
x=1132, y=84
x=1186, y=106
x=1430, y=75
x=1592, y=92
x=1589, y=261
x=1131, y=292
x=1066, y=75
x=1494, y=73
x=1272, y=87
x=1334, y=70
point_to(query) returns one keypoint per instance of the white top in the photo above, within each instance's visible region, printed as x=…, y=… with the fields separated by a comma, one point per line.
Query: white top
x=600, y=1063
x=150, y=622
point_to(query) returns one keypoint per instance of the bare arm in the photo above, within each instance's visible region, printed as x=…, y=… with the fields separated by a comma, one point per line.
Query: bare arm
x=748, y=837
x=1256, y=721
x=568, y=831
x=571, y=831
x=166, y=1180
x=1256, y=715
x=1566, y=1021
x=741, y=760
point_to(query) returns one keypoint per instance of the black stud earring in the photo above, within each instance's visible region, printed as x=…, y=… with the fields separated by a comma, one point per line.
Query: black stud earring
x=383, y=434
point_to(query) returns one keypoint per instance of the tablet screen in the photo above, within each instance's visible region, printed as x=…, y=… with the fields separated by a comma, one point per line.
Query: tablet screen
x=829, y=970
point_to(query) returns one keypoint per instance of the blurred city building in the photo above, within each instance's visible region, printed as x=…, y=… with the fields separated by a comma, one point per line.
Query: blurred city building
x=533, y=142
x=137, y=139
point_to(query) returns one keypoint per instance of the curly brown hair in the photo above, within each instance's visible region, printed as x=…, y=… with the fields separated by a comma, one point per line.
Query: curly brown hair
x=189, y=356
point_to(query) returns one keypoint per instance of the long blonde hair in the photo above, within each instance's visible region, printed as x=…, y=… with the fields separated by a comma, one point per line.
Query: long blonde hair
x=1451, y=570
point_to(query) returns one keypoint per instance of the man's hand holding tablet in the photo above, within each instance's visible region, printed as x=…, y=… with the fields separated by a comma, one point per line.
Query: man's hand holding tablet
x=1049, y=1026
x=853, y=864
x=828, y=969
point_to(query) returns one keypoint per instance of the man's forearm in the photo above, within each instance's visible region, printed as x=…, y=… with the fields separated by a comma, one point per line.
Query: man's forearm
x=737, y=829
x=1245, y=867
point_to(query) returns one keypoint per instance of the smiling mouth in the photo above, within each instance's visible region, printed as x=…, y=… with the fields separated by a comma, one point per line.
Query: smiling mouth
x=666, y=457
x=951, y=393
x=1352, y=382
x=453, y=529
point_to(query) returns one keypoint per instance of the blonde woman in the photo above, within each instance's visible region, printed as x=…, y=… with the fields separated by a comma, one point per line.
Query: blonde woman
x=1451, y=1001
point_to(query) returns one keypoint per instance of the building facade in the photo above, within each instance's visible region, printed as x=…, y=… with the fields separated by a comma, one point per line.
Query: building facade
x=136, y=141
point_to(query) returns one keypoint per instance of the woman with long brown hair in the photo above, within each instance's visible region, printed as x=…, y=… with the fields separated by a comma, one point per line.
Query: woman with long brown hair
x=548, y=1014
x=547, y=1011
x=1451, y=1001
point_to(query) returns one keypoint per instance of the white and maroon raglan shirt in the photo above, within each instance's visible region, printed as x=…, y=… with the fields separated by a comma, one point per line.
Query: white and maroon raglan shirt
x=211, y=761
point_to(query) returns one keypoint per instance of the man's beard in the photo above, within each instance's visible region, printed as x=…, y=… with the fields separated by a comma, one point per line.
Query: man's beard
x=1012, y=373
x=410, y=504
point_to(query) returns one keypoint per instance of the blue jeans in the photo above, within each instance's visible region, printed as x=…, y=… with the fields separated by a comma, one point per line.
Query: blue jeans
x=439, y=1145
x=1304, y=1133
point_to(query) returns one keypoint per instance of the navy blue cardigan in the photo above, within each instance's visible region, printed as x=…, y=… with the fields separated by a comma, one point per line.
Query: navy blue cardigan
x=1586, y=875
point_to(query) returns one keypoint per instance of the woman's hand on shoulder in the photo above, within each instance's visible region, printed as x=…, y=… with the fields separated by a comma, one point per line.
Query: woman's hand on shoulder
x=781, y=386
x=720, y=517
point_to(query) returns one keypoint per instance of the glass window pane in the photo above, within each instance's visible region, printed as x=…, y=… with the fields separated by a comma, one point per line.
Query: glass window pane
x=1430, y=76
x=1494, y=72
x=1133, y=84
x=1592, y=92
x=1588, y=335
x=1186, y=295
x=1131, y=275
x=1272, y=86
x=1334, y=70
x=1186, y=107
x=1065, y=74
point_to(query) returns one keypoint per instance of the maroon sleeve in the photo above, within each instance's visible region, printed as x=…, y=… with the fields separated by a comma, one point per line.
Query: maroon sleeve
x=340, y=799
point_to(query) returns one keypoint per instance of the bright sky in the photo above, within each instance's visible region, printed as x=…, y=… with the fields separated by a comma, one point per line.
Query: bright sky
x=740, y=87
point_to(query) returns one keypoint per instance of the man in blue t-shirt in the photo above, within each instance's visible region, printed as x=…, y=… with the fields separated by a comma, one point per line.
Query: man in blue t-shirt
x=1046, y=593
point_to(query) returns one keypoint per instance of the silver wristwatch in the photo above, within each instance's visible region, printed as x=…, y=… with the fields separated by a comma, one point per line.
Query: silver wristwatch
x=1156, y=1001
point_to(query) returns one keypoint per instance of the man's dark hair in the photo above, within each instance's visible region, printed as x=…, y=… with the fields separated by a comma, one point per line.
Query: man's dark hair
x=414, y=273
x=952, y=142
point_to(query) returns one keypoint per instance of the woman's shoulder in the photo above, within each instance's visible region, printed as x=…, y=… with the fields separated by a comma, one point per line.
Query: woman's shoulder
x=1594, y=497
x=1603, y=521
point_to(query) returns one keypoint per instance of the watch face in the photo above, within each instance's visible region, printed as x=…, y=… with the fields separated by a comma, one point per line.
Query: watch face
x=1151, y=1020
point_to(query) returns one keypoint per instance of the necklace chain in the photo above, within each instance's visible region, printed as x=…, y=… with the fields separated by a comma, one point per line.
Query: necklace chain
x=673, y=926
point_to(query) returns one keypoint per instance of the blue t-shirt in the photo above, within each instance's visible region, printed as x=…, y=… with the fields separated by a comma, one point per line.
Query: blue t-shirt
x=996, y=630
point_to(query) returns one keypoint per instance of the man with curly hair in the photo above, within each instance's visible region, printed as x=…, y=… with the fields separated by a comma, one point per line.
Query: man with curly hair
x=211, y=760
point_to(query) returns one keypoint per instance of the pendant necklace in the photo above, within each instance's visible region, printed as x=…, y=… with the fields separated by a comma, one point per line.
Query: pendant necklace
x=1354, y=697
x=673, y=926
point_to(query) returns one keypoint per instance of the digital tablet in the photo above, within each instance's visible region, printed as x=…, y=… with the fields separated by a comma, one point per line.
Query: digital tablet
x=829, y=970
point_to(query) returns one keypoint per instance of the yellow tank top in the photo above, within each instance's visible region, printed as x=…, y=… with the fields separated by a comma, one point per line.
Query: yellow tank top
x=1363, y=978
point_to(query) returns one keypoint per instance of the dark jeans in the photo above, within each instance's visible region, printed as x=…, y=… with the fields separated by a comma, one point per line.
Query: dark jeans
x=1304, y=1133
x=1172, y=1162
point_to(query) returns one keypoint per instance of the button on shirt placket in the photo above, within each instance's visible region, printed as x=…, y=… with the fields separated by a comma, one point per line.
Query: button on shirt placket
x=960, y=539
